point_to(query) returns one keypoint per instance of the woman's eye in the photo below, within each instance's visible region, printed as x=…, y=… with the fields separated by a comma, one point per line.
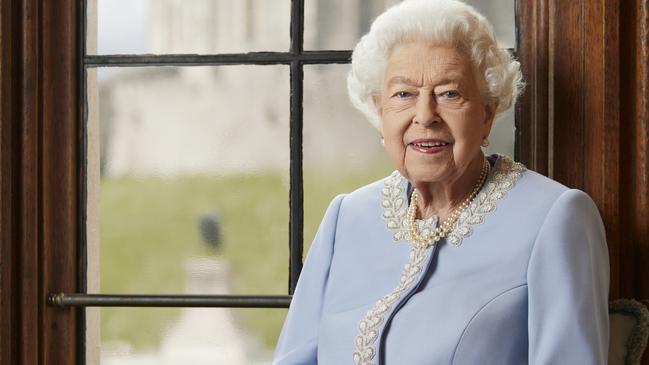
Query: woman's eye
x=402, y=94
x=450, y=94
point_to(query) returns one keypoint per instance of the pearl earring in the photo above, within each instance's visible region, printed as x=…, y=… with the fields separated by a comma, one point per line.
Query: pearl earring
x=382, y=142
x=485, y=142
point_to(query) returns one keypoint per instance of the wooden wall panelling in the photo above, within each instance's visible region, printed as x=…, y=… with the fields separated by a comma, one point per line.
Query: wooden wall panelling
x=566, y=89
x=634, y=108
x=640, y=151
x=602, y=124
x=532, y=108
x=8, y=168
x=40, y=69
x=583, y=108
x=28, y=238
x=61, y=151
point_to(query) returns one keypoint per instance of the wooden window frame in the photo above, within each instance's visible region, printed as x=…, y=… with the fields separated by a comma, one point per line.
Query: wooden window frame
x=40, y=90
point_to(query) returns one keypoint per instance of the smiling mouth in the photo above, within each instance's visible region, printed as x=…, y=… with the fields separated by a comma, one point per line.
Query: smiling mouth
x=429, y=146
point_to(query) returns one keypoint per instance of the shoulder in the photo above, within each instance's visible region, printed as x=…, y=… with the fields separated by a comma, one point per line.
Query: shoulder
x=521, y=195
x=540, y=187
x=532, y=200
x=535, y=180
x=569, y=222
x=554, y=197
x=573, y=208
x=529, y=194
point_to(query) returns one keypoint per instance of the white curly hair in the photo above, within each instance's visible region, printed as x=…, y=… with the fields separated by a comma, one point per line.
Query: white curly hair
x=444, y=22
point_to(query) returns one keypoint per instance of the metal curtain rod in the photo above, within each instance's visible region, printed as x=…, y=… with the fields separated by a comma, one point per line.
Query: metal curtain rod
x=206, y=301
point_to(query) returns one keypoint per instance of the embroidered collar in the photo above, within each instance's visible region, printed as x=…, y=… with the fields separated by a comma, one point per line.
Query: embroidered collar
x=395, y=200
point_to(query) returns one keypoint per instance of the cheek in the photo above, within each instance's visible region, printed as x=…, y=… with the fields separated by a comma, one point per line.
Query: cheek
x=393, y=135
x=394, y=126
x=468, y=127
x=468, y=134
x=394, y=144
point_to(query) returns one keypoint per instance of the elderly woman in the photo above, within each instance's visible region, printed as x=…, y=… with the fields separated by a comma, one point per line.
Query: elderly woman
x=455, y=258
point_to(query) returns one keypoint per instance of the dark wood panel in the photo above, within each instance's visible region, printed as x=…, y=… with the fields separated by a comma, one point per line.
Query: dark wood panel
x=601, y=118
x=634, y=180
x=640, y=149
x=30, y=307
x=532, y=108
x=566, y=87
x=8, y=168
x=60, y=170
x=39, y=182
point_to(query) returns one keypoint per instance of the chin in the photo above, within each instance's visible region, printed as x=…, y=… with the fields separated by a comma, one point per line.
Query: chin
x=422, y=172
x=424, y=175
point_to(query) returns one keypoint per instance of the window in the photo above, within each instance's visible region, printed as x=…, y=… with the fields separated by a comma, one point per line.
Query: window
x=208, y=149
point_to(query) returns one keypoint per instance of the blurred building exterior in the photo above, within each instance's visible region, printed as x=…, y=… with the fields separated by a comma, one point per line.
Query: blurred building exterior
x=205, y=120
x=219, y=120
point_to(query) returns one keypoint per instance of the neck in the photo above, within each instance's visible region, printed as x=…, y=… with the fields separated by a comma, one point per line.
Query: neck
x=442, y=197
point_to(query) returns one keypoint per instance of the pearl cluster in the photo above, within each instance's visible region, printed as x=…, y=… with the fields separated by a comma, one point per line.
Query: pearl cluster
x=426, y=240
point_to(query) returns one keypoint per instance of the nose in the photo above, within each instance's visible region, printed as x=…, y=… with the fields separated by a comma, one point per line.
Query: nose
x=426, y=110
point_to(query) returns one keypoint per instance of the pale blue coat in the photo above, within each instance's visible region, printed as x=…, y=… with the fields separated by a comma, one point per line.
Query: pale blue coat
x=524, y=282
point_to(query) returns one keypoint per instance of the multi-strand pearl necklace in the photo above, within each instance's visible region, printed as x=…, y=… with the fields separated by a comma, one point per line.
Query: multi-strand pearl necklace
x=426, y=240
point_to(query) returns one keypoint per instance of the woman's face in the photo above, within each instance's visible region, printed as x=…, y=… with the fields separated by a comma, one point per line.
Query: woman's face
x=433, y=115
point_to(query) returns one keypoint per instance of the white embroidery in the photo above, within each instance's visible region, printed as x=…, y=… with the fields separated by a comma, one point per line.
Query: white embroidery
x=395, y=208
x=368, y=327
x=503, y=177
x=502, y=180
x=393, y=204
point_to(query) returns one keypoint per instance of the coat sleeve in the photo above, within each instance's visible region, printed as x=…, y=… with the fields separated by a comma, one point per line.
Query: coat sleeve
x=298, y=341
x=568, y=282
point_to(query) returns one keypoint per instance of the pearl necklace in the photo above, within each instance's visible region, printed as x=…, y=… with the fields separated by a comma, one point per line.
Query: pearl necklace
x=425, y=241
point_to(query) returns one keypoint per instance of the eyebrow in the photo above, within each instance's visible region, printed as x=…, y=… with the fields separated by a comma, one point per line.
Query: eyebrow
x=402, y=80
x=410, y=82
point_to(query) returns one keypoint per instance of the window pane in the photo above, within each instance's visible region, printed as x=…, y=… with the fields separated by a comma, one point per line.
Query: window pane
x=342, y=151
x=339, y=24
x=186, y=336
x=192, y=194
x=194, y=169
x=196, y=26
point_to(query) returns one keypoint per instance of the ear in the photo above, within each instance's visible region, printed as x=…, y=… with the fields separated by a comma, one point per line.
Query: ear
x=490, y=114
x=376, y=99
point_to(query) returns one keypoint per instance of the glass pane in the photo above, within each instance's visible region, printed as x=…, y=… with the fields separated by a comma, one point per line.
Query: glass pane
x=187, y=336
x=339, y=24
x=193, y=179
x=191, y=191
x=342, y=151
x=197, y=26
